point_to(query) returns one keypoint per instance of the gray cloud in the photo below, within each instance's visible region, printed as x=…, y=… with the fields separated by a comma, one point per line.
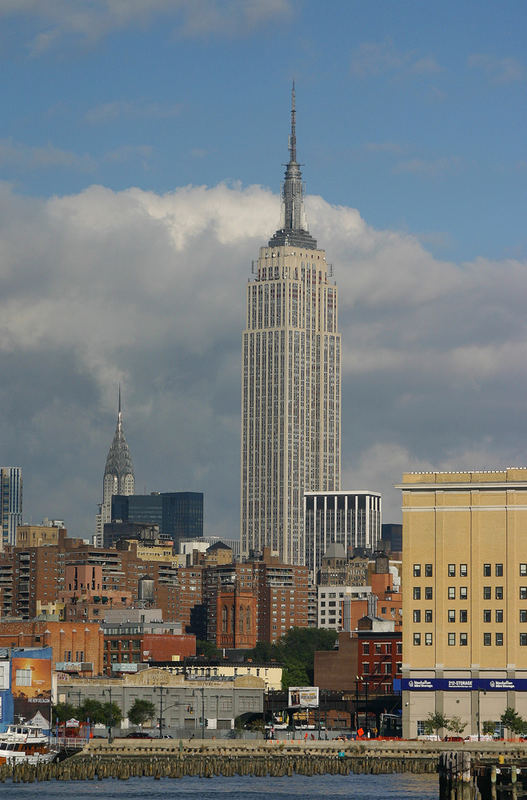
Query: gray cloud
x=148, y=290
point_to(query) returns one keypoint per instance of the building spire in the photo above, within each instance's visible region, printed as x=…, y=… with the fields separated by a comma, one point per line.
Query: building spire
x=294, y=230
x=292, y=138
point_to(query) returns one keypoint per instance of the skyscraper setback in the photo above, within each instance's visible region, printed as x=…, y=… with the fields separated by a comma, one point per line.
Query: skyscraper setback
x=290, y=440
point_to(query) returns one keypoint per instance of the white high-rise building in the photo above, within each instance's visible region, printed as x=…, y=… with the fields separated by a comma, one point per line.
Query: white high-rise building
x=10, y=503
x=118, y=476
x=290, y=439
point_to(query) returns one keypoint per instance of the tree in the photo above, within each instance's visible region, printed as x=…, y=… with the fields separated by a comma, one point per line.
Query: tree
x=456, y=726
x=207, y=649
x=141, y=711
x=512, y=720
x=435, y=722
x=112, y=714
x=62, y=712
x=294, y=674
x=92, y=710
x=489, y=727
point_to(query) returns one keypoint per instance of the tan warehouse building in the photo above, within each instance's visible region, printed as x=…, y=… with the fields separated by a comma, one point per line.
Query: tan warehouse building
x=464, y=596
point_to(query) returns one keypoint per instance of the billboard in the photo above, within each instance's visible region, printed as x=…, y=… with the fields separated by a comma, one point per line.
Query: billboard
x=31, y=688
x=303, y=697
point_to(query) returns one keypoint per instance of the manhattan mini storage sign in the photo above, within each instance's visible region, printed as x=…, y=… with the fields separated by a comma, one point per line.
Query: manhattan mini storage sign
x=464, y=684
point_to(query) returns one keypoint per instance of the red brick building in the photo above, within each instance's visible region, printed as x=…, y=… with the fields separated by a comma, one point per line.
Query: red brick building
x=77, y=648
x=371, y=655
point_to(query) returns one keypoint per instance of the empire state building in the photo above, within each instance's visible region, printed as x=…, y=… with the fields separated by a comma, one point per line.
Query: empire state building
x=290, y=427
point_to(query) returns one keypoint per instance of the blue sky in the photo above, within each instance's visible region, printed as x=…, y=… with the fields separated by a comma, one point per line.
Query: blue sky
x=412, y=112
x=141, y=154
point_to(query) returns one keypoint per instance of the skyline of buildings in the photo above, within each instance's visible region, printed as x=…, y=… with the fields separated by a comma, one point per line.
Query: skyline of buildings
x=290, y=416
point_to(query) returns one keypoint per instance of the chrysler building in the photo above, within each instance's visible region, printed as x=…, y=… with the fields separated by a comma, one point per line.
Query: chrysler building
x=118, y=476
x=290, y=426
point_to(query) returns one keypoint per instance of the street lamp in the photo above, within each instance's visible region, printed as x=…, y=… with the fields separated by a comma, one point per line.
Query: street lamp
x=110, y=719
x=202, y=690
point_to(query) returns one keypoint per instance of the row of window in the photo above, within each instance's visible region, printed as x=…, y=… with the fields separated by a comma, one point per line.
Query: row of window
x=463, y=570
x=428, y=592
x=381, y=647
x=463, y=639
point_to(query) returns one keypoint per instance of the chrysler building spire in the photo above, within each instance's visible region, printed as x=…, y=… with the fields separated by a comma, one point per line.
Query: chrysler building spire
x=118, y=474
x=294, y=229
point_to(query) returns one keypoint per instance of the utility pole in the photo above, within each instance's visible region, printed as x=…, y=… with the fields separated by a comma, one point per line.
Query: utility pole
x=110, y=720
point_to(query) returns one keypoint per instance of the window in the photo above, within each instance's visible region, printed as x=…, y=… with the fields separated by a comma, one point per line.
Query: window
x=523, y=570
x=428, y=639
x=463, y=592
x=420, y=727
x=428, y=593
x=417, y=639
x=463, y=570
x=451, y=570
x=499, y=593
x=451, y=592
x=499, y=570
x=499, y=640
x=417, y=593
x=486, y=615
x=428, y=615
x=388, y=667
x=523, y=592
x=486, y=570
x=417, y=616
x=499, y=615
x=463, y=615
x=523, y=639
x=365, y=668
x=365, y=648
x=378, y=648
x=523, y=615
x=486, y=593
x=486, y=639
x=451, y=615
x=428, y=570
x=23, y=677
x=463, y=639
x=417, y=570
x=451, y=639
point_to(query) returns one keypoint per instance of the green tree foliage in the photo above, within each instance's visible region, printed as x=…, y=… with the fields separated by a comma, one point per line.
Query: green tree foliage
x=296, y=648
x=436, y=722
x=62, y=712
x=141, y=711
x=207, y=649
x=512, y=721
x=92, y=710
x=455, y=726
x=112, y=714
x=294, y=674
x=489, y=727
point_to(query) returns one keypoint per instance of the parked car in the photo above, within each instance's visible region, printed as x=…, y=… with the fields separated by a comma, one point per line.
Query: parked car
x=138, y=735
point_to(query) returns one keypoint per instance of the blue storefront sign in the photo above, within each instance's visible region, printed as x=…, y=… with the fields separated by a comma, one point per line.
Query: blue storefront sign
x=464, y=684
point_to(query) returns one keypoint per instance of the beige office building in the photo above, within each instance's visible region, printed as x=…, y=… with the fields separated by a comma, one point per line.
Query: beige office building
x=290, y=432
x=464, y=596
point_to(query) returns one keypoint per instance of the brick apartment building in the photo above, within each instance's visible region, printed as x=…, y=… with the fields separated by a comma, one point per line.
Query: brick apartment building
x=371, y=655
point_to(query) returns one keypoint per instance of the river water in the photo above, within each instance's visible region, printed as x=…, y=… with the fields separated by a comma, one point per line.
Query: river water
x=298, y=787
